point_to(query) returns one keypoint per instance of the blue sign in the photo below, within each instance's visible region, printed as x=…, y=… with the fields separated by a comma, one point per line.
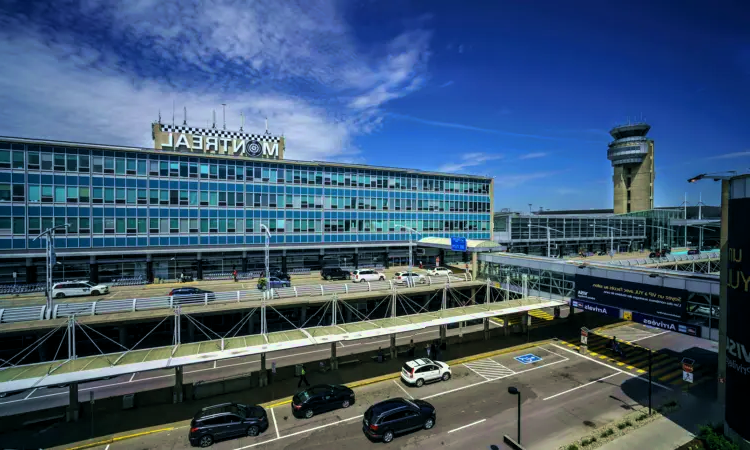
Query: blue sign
x=597, y=308
x=527, y=358
x=458, y=244
x=667, y=324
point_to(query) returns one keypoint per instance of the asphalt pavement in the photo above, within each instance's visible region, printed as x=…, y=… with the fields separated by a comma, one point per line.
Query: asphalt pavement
x=563, y=395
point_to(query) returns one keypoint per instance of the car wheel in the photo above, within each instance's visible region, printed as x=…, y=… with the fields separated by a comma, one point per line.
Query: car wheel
x=446, y=376
x=429, y=424
x=59, y=295
x=345, y=404
x=382, y=278
x=362, y=280
x=308, y=414
x=388, y=436
x=253, y=431
x=328, y=278
x=206, y=441
x=95, y=293
x=420, y=382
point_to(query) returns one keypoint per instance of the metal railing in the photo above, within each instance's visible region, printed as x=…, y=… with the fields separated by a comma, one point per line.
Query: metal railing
x=665, y=260
x=100, y=307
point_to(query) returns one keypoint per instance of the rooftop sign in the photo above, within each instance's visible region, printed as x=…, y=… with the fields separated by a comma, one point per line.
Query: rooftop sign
x=182, y=138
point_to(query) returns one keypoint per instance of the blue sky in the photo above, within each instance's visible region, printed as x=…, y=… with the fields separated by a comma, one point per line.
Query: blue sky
x=524, y=91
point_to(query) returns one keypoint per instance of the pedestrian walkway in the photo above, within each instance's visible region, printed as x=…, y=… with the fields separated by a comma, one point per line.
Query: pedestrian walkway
x=489, y=369
x=665, y=368
x=539, y=318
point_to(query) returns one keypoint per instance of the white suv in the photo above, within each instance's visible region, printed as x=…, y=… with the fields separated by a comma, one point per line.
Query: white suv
x=440, y=272
x=408, y=278
x=78, y=288
x=360, y=276
x=423, y=370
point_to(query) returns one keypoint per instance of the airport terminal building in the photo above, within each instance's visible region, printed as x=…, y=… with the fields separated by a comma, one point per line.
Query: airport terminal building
x=196, y=202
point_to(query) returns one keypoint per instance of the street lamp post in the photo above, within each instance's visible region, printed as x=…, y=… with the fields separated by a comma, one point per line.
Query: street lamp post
x=268, y=278
x=411, y=253
x=514, y=391
x=49, y=233
x=611, y=234
x=549, y=239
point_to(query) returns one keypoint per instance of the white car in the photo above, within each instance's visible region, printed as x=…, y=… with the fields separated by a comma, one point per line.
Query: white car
x=410, y=278
x=360, y=276
x=78, y=288
x=440, y=272
x=423, y=370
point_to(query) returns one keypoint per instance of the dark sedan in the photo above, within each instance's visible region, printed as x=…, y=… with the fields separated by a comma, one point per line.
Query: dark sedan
x=384, y=420
x=224, y=421
x=274, y=283
x=321, y=398
x=190, y=295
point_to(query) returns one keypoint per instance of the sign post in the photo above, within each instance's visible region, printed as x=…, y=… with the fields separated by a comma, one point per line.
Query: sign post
x=687, y=370
x=584, y=340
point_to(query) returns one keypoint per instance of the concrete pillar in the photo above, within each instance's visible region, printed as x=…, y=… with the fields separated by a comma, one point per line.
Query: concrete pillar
x=149, y=269
x=506, y=326
x=473, y=298
x=191, y=332
x=30, y=271
x=443, y=331
x=123, y=330
x=284, y=266
x=356, y=260
x=386, y=259
x=486, y=329
x=177, y=393
x=263, y=371
x=244, y=262
x=349, y=314
x=199, y=268
x=251, y=324
x=556, y=314
x=93, y=270
x=524, y=322
x=320, y=260
x=334, y=359
x=71, y=413
x=441, y=254
x=394, y=352
x=302, y=315
x=474, y=265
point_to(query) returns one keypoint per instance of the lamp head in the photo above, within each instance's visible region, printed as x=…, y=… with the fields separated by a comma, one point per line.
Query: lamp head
x=513, y=390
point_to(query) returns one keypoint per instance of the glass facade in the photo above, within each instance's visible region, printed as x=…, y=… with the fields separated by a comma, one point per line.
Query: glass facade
x=143, y=199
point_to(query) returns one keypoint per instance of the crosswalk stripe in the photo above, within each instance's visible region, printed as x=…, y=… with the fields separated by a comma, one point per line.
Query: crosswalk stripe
x=489, y=369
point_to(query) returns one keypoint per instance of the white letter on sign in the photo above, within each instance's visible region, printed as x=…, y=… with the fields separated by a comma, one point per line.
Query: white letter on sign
x=182, y=141
x=238, y=146
x=211, y=144
x=170, y=141
x=271, y=151
x=197, y=142
x=225, y=143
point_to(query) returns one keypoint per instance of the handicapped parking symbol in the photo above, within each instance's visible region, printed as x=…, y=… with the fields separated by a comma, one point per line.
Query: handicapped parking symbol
x=528, y=358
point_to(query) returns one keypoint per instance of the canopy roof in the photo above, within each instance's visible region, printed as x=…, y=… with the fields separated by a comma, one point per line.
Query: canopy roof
x=472, y=245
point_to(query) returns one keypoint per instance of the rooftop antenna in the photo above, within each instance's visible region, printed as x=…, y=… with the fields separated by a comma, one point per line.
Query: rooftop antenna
x=172, y=113
x=159, y=116
x=224, y=115
x=214, y=113
x=267, y=132
x=242, y=120
x=184, y=115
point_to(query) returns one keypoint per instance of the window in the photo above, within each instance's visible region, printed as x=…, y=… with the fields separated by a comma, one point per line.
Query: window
x=83, y=163
x=19, y=192
x=83, y=195
x=19, y=225
x=109, y=164
x=73, y=228
x=35, y=225
x=18, y=160
x=84, y=225
x=130, y=166
x=120, y=166
x=59, y=162
x=4, y=192
x=72, y=163
x=46, y=161
x=98, y=164
x=4, y=159
x=119, y=225
x=33, y=160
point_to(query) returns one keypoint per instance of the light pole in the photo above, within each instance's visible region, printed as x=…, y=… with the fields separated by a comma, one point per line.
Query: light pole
x=514, y=391
x=549, y=239
x=611, y=234
x=51, y=259
x=410, y=230
x=661, y=238
x=268, y=279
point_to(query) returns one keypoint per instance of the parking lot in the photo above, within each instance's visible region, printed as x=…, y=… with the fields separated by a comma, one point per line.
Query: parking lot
x=562, y=392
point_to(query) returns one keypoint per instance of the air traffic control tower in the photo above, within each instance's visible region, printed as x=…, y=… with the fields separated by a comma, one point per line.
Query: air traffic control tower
x=632, y=156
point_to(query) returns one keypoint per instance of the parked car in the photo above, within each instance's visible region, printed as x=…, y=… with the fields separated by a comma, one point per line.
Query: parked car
x=384, y=420
x=694, y=251
x=227, y=420
x=423, y=370
x=78, y=288
x=360, y=276
x=274, y=283
x=335, y=273
x=189, y=295
x=410, y=278
x=321, y=398
x=439, y=272
x=276, y=273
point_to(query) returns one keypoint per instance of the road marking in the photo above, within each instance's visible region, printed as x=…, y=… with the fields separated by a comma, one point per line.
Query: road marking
x=489, y=369
x=402, y=388
x=132, y=376
x=214, y=364
x=34, y=390
x=582, y=386
x=467, y=426
x=107, y=447
x=275, y=425
x=638, y=377
x=649, y=336
x=341, y=344
x=301, y=432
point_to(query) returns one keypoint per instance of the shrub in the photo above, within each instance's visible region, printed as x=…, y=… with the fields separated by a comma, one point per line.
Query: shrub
x=714, y=440
x=585, y=442
x=628, y=423
x=643, y=416
x=621, y=426
x=572, y=447
x=607, y=433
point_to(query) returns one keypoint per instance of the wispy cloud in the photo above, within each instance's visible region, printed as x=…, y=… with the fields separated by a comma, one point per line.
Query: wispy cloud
x=533, y=155
x=567, y=191
x=468, y=161
x=461, y=48
x=446, y=84
x=298, y=64
x=509, y=180
x=744, y=154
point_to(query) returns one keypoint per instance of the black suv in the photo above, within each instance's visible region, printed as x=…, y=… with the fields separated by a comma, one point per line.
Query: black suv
x=227, y=420
x=335, y=273
x=321, y=398
x=395, y=416
x=276, y=273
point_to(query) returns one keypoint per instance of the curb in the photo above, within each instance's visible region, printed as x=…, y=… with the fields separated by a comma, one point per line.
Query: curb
x=613, y=325
x=114, y=439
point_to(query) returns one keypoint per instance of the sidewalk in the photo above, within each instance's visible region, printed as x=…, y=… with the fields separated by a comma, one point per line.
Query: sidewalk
x=672, y=431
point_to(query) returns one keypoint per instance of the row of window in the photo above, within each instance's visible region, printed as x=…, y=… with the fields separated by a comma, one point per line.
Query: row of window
x=121, y=163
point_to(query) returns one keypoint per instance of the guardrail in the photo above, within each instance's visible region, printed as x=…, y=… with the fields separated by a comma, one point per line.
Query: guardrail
x=667, y=259
x=100, y=307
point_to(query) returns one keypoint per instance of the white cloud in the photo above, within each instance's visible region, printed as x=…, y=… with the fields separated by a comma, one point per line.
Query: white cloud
x=469, y=160
x=513, y=180
x=731, y=155
x=297, y=64
x=533, y=155
x=446, y=84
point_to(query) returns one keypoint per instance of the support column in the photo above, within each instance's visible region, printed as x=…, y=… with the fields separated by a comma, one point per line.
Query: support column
x=244, y=262
x=487, y=329
x=191, y=331
x=284, y=266
x=506, y=326
x=199, y=267
x=149, y=269
x=30, y=271
x=334, y=359
x=386, y=259
x=123, y=330
x=302, y=315
x=42, y=350
x=394, y=351
x=177, y=393
x=556, y=312
x=321, y=255
x=348, y=315
x=93, y=270
x=263, y=381
x=251, y=324
x=356, y=259
x=443, y=331
x=441, y=254
x=474, y=265
x=71, y=413
x=524, y=322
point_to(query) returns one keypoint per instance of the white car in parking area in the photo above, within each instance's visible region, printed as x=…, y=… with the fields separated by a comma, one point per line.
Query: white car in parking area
x=360, y=276
x=410, y=278
x=423, y=370
x=439, y=272
x=78, y=288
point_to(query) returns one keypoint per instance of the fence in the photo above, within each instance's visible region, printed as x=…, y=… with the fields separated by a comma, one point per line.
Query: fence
x=100, y=307
x=667, y=259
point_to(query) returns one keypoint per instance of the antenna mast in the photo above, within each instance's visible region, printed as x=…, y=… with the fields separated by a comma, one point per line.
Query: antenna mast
x=242, y=120
x=224, y=115
x=214, y=116
x=184, y=115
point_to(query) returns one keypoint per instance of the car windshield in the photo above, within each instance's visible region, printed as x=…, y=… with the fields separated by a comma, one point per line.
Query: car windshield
x=408, y=402
x=303, y=396
x=89, y=284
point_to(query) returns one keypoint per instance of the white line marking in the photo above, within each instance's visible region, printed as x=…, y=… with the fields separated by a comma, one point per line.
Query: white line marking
x=341, y=344
x=34, y=390
x=214, y=364
x=637, y=377
x=107, y=447
x=467, y=426
x=402, y=388
x=132, y=376
x=550, y=351
x=275, y=425
x=301, y=432
x=582, y=386
x=650, y=336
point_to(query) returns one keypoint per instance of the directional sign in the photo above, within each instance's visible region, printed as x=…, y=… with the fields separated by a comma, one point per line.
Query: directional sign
x=458, y=244
x=528, y=358
x=687, y=376
x=584, y=336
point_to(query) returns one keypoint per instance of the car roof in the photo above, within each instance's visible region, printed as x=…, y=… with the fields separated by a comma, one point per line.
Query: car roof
x=419, y=362
x=389, y=405
x=217, y=410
